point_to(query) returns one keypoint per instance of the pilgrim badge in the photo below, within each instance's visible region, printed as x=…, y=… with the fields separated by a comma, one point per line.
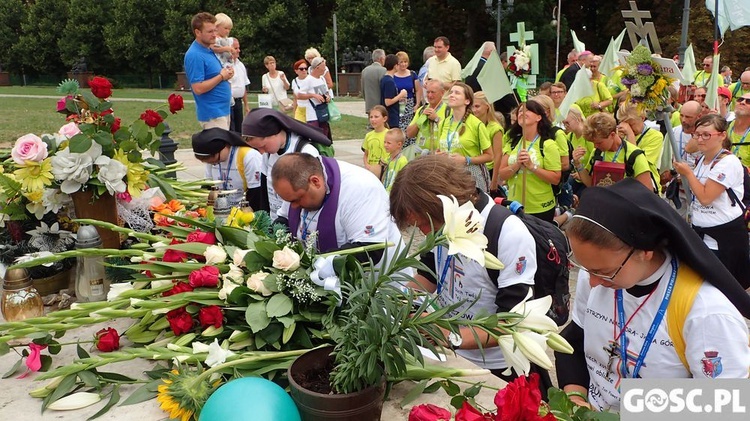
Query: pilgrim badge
x=711, y=364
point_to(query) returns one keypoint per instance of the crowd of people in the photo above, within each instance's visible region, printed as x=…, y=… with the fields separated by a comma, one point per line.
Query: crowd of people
x=605, y=171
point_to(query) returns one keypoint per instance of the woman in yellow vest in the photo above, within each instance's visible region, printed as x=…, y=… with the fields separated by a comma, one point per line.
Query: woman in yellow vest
x=652, y=301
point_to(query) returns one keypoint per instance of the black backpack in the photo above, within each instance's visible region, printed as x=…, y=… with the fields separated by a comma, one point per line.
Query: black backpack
x=552, y=248
x=745, y=202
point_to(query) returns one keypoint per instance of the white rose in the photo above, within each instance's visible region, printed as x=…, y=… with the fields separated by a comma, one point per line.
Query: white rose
x=112, y=173
x=215, y=255
x=255, y=283
x=227, y=286
x=286, y=259
x=239, y=257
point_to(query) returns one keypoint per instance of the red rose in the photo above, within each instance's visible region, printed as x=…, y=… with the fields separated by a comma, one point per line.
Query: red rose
x=174, y=256
x=152, y=118
x=107, y=340
x=180, y=321
x=115, y=125
x=429, y=412
x=101, y=87
x=211, y=316
x=519, y=400
x=178, y=288
x=469, y=413
x=175, y=103
x=207, y=276
x=199, y=236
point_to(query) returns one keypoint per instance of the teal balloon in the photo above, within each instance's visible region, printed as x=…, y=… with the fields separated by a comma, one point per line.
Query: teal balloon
x=250, y=399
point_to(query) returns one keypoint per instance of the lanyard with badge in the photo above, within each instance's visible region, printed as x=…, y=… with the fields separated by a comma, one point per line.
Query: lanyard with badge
x=448, y=264
x=742, y=139
x=617, y=152
x=452, y=135
x=225, y=176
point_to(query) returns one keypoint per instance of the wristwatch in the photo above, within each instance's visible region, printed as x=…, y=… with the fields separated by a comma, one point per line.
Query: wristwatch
x=455, y=340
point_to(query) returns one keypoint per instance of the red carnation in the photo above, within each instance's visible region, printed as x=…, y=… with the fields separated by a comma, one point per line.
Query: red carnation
x=428, y=412
x=178, y=288
x=519, y=400
x=107, y=340
x=211, y=316
x=101, y=87
x=199, y=236
x=174, y=256
x=469, y=413
x=180, y=321
x=152, y=118
x=175, y=103
x=207, y=276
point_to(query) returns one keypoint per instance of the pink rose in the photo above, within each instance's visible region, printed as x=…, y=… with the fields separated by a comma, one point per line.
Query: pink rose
x=29, y=148
x=69, y=130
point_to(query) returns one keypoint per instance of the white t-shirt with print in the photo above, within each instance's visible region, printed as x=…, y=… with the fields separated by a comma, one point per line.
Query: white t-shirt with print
x=252, y=162
x=728, y=172
x=313, y=85
x=715, y=334
x=467, y=280
x=274, y=200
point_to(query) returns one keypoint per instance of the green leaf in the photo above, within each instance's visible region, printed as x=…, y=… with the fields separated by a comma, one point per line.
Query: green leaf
x=4, y=348
x=256, y=316
x=266, y=248
x=113, y=399
x=473, y=390
x=79, y=143
x=144, y=393
x=82, y=354
x=458, y=401
x=166, y=188
x=54, y=348
x=13, y=369
x=236, y=237
x=254, y=261
x=89, y=379
x=40, y=338
x=451, y=388
x=434, y=387
x=279, y=305
x=194, y=248
x=288, y=332
x=413, y=393
x=93, y=101
x=103, y=138
x=117, y=377
x=159, y=129
x=66, y=386
x=139, y=130
x=46, y=363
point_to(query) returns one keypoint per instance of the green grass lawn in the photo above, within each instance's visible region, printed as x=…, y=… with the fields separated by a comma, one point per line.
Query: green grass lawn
x=37, y=115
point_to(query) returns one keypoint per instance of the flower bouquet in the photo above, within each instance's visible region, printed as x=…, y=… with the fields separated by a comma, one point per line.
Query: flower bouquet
x=647, y=85
x=220, y=300
x=519, y=63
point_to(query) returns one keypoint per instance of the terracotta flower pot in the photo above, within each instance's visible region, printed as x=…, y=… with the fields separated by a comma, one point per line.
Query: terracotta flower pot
x=365, y=405
x=104, y=208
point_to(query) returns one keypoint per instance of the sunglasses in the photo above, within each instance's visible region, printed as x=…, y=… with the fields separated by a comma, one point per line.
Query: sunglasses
x=743, y=100
x=304, y=69
x=706, y=64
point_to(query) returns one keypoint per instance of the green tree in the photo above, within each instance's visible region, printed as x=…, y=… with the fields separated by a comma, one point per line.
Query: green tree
x=135, y=35
x=83, y=35
x=177, y=32
x=36, y=47
x=11, y=15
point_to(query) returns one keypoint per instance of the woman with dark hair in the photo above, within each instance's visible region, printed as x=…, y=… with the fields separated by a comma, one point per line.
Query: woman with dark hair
x=229, y=160
x=464, y=137
x=531, y=162
x=717, y=185
x=651, y=301
x=390, y=96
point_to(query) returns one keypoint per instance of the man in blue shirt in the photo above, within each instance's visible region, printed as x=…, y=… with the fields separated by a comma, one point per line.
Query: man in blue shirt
x=208, y=80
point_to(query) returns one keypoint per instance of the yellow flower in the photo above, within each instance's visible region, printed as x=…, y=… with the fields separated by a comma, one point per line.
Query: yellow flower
x=33, y=176
x=659, y=86
x=137, y=175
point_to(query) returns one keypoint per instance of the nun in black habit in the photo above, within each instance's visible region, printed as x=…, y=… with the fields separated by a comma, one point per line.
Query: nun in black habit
x=652, y=301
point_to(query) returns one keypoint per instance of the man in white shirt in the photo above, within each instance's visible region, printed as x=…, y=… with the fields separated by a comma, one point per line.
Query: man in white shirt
x=239, y=84
x=688, y=149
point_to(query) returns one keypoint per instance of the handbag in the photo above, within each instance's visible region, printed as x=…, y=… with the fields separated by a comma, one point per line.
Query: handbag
x=321, y=111
x=286, y=104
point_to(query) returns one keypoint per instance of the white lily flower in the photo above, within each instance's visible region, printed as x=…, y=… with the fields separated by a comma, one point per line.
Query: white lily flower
x=464, y=229
x=200, y=348
x=75, y=401
x=533, y=346
x=116, y=289
x=217, y=355
x=558, y=343
x=535, y=312
x=513, y=356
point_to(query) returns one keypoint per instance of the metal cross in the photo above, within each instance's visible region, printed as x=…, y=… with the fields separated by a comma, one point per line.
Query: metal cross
x=639, y=28
x=611, y=351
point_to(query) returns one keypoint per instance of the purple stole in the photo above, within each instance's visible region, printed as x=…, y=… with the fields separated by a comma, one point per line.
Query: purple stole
x=327, y=218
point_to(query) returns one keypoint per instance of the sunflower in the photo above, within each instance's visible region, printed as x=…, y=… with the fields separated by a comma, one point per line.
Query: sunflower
x=33, y=176
x=183, y=393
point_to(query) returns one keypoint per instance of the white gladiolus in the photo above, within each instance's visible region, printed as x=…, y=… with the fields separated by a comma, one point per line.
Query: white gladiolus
x=115, y=290
x=75, y=401
x=217, y=355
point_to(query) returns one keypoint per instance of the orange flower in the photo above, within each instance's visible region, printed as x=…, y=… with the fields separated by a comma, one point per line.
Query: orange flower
x=163, y=220
x=175, y=205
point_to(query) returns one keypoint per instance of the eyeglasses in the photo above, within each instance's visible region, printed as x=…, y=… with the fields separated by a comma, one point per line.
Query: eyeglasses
x=706, y=64
x=608, y=278
x=304, y=69
x=557, y=92
x=743, y=100
x=744, y=83
x=704, y=136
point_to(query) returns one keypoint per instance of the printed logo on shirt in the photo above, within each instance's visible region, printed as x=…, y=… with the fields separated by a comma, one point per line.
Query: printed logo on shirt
x=711, y=364
x=257, y=176
x=721, y=177
x=370, y=230
x=521, y=265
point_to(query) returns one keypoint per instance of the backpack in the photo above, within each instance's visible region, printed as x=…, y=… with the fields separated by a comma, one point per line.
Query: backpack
x=324, y=150
x=745, y=202
x=552, y=248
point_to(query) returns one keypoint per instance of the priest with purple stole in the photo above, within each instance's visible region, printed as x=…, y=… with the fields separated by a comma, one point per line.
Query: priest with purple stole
x=344, y=205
